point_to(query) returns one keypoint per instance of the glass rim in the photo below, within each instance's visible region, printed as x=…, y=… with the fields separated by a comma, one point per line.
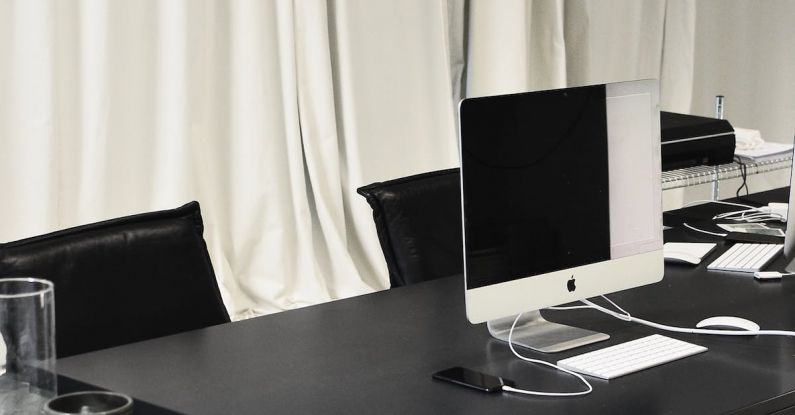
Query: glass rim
x=128, y=402
x=47, y=287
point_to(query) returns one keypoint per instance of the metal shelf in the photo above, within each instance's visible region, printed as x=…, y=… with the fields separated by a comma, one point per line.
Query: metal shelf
x=693, y=176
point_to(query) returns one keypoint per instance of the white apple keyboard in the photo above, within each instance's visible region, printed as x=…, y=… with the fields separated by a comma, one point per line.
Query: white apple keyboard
x=630, y=357
x=742, y=257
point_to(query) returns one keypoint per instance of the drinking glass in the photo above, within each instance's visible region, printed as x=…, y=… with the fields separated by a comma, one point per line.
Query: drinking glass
x=27, y=345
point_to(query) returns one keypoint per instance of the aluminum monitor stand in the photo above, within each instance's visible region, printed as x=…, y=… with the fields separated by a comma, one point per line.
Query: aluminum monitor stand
x=534, y=332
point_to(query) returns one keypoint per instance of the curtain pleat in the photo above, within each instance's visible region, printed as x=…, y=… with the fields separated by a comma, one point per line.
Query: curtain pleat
x=28, y=151
x=515, y=45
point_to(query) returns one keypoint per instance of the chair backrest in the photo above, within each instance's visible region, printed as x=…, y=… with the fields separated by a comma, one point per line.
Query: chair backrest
x=418, y=220
x=123, y=280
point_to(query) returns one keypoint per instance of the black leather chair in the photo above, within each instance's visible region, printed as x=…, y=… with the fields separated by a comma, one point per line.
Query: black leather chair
x=123, y=280
x=418, y=220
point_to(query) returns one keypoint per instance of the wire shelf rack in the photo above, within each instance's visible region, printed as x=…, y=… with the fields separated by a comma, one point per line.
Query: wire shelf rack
x=693, y=176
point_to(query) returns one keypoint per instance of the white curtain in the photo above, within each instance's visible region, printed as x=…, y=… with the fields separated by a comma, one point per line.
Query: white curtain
x=271, y=113
x=517, y=45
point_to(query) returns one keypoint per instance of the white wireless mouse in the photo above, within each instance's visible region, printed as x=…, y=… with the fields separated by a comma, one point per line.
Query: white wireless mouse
x=728, y=323
x=684, y=257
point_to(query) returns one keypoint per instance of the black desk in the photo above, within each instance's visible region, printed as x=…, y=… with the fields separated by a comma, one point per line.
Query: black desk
x=375, y=354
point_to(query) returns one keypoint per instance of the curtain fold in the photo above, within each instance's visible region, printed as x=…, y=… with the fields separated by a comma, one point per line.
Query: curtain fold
x=521, y=46
x=678, y=56
x=515, y=45
x=392, y=90
x=28, y=150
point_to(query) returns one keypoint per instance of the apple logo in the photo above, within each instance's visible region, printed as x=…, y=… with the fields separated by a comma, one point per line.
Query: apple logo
x=570, y=284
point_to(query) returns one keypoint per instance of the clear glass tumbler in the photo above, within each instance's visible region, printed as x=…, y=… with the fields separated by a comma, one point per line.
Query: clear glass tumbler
x=27, y=345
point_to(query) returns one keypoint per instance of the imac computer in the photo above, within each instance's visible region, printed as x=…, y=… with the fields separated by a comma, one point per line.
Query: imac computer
x=561, y=199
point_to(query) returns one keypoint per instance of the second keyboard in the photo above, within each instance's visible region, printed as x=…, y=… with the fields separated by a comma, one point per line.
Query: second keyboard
x=743, y=257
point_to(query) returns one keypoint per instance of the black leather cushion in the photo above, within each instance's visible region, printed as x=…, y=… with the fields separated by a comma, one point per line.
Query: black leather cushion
x=418, y=220
x=123, y=280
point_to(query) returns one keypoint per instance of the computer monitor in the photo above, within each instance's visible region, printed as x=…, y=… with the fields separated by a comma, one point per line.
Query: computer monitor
x=561, y=200
x=789, y=235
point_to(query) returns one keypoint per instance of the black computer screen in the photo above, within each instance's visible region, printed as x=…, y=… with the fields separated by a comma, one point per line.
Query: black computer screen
x=535, y=183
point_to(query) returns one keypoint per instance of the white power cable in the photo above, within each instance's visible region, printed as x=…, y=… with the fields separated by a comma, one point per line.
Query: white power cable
x=761, y=214
x=751, y=214
x=703, y=231
x=627, y=317
x=541, y=362
x=695, y=202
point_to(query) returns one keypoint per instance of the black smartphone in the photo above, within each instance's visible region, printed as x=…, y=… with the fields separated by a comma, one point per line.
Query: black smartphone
x=470, y=378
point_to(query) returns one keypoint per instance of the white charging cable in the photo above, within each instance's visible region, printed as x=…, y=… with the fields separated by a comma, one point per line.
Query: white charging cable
x=507, y=388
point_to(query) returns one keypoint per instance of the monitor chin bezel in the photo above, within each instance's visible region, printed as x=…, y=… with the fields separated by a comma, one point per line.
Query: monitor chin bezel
x=511, y=298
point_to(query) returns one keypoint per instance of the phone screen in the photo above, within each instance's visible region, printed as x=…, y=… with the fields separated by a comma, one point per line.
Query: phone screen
x=470, y=378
